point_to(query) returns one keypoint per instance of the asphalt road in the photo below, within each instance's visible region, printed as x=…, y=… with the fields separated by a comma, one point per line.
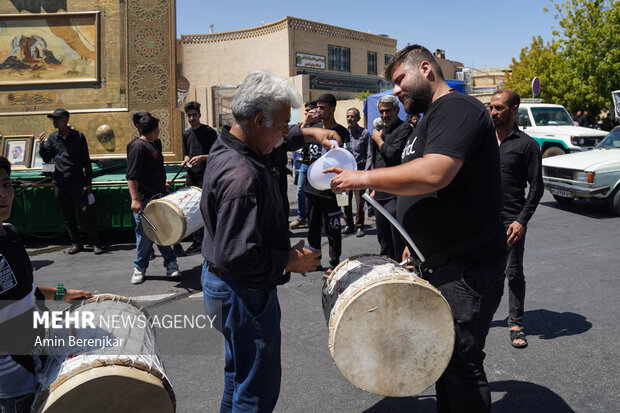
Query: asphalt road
x=572, y=266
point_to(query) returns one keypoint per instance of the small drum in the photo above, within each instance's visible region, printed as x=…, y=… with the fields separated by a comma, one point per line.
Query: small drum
x=121, y=378
x=175, y=216
x=391, y=333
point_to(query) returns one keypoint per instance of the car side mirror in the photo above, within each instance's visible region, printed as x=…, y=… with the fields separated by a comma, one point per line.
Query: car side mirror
x=522, y=121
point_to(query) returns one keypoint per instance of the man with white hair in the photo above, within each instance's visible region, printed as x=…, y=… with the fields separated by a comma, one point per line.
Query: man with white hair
x=246, y=245
x=388, y=143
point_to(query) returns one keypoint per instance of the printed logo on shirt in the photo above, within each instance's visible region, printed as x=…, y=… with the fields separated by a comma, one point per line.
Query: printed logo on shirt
x=7, y=278
x=334, y=222
x=408, y=149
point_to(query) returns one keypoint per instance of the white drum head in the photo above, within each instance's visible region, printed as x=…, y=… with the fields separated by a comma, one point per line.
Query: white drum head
x=394, y=338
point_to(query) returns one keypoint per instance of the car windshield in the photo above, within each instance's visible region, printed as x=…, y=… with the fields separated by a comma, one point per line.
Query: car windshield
x=551, y=116
x=612, y=140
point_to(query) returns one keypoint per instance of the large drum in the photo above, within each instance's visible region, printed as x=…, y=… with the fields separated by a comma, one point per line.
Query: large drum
x=127, y=377
x=390, y=332
x=174, y=216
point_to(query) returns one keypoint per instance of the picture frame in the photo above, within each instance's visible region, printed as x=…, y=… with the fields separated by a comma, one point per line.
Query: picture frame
x=35, y=160
x=55, y=48
x=18, y=150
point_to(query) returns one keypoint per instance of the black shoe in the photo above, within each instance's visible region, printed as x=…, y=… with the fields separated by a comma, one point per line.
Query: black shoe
x=360, y=232
x=348, y=230
x=75, y=248
x=152, y=254
x=195, y=247
x=178, y=250
x=97, y=250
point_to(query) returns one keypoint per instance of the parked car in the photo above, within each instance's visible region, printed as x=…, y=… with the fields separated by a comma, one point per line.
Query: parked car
x=587, y=175
x=554, y=130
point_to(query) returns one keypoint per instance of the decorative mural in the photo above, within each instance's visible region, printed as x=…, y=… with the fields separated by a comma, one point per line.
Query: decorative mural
x=59, y=48
x=101, y=60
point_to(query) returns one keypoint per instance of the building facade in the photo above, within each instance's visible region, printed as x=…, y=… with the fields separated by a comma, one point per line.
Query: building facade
x=317, y=58
x=101, y=60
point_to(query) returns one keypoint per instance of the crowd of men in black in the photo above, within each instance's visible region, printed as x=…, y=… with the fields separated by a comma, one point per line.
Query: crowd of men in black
x=455, y=177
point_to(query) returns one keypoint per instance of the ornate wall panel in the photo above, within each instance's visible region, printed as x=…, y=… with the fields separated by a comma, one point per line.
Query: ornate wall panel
x=136, y=72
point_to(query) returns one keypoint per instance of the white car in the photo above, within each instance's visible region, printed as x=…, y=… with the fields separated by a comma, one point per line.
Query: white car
x=586, y=175
x=554, y=130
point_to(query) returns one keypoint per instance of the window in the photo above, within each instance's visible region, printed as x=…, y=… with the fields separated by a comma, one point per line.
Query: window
x=339, y=58
x=372, y=63
x=523, y=118
x=388, y=57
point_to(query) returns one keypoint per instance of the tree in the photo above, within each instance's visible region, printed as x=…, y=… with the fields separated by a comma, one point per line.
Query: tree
x=580, y=67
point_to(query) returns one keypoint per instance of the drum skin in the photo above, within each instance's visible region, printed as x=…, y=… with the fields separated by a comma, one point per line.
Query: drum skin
x=390, y=333
x=131, y=379
x=175, y=216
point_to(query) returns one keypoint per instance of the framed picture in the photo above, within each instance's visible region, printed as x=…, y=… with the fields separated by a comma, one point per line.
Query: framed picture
x=18, y=150
x=49, y=48
x=36, y=160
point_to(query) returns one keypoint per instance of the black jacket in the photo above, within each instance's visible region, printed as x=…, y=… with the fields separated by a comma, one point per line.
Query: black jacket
x=71, y=159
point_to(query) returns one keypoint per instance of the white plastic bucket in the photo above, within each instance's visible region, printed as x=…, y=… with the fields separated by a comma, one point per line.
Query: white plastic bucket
x=337, y=157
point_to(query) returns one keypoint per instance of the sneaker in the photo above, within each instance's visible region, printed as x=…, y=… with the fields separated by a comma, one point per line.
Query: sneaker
x=172, y=270
x=360, y=232
x=138, y=276
x=97, y=250
x=178, y=250
x=75, y=248
x=195, y=247
x=298, y=223
x=347, y=230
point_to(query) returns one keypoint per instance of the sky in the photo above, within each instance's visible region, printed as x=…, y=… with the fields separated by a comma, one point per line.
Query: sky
x=477, y=33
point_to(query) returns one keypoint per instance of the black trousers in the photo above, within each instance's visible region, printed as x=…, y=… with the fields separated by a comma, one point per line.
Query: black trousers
x=324, y=213
x=516, y=281
x=474, y=292
x=390, y=240
x=359, y=209
x=68, y=198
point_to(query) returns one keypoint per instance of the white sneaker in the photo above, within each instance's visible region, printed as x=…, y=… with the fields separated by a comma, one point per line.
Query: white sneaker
x=172, y=270
x=138, y=276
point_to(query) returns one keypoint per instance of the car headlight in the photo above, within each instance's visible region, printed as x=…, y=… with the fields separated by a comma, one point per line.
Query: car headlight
x=582, y=176
x=577, y=141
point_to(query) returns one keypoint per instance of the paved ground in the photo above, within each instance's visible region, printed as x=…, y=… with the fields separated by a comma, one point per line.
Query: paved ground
x=572, y=362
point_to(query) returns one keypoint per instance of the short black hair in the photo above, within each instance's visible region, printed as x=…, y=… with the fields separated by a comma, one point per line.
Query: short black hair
x=413, y=55
x=327, y=98
x=512, y=99
x=135, y=118
x=310, y=104
x=356, y=110
x=192, y=106
x=5, y=164
x=148, y=124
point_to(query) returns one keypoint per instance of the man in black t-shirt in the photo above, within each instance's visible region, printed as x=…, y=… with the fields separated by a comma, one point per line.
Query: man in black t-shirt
x=18, y=292
x=146, y=179
x=387, y=147
x=197, y=142
x=450, y=200
x=323, y=209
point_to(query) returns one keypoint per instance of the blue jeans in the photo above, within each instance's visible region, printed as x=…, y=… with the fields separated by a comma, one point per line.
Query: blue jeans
x=473, y=292
x=144, y=244
x=251, y=329
x=20, y=404
x=302, y=212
